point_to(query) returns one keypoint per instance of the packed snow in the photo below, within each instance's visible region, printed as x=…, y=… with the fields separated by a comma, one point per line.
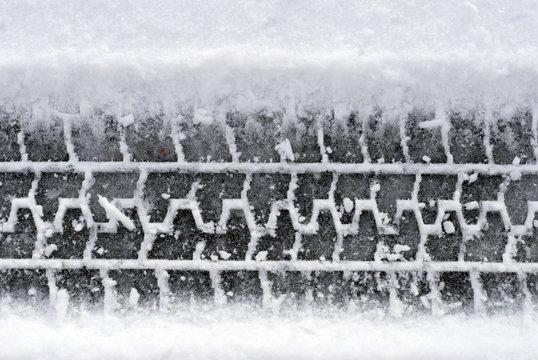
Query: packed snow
x=230, y=335
x=130, y=56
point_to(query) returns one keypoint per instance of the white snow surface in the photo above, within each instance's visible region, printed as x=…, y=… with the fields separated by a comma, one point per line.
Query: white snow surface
x=132, y=56
x=228, y=335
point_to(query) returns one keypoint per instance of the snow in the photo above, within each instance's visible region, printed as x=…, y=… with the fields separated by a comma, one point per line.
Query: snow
x=114, y=214
x=132, y=60
x=228, y=335
x=472, y=178
x=130, y=57
x=348, y=204
x=285, y=151
x=133, y=297
x=449, y=227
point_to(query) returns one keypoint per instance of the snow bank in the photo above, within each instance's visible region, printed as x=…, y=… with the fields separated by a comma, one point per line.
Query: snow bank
x=128, y=56
x=238, y=336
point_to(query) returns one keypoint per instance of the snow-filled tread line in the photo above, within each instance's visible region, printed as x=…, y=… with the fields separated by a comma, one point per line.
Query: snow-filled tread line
x=119, y=212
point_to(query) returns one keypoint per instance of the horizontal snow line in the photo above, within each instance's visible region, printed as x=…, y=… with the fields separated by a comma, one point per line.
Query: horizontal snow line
x=347, y=168
x=205, y=265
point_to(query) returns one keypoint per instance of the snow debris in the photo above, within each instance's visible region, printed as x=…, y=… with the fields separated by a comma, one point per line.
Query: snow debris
x=431, y=124
x=473, y=177
x=61, y=304
x=398, y=248
x=200, y=246
x=77, y=226
x=113, y=213
x=110, y=300
x=348, y=205
x=224, y=255
x=285, y=151
x=261, y=256
x=383, y=252
x=449, y=227
x=127, y=120
x=471, y=205
x=50, y=249
x=515, y=175
x=134, y=296
x=516, y=161
x=202, y=116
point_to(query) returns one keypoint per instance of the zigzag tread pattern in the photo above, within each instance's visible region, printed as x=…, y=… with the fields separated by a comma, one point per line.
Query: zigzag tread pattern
x=452, y=215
